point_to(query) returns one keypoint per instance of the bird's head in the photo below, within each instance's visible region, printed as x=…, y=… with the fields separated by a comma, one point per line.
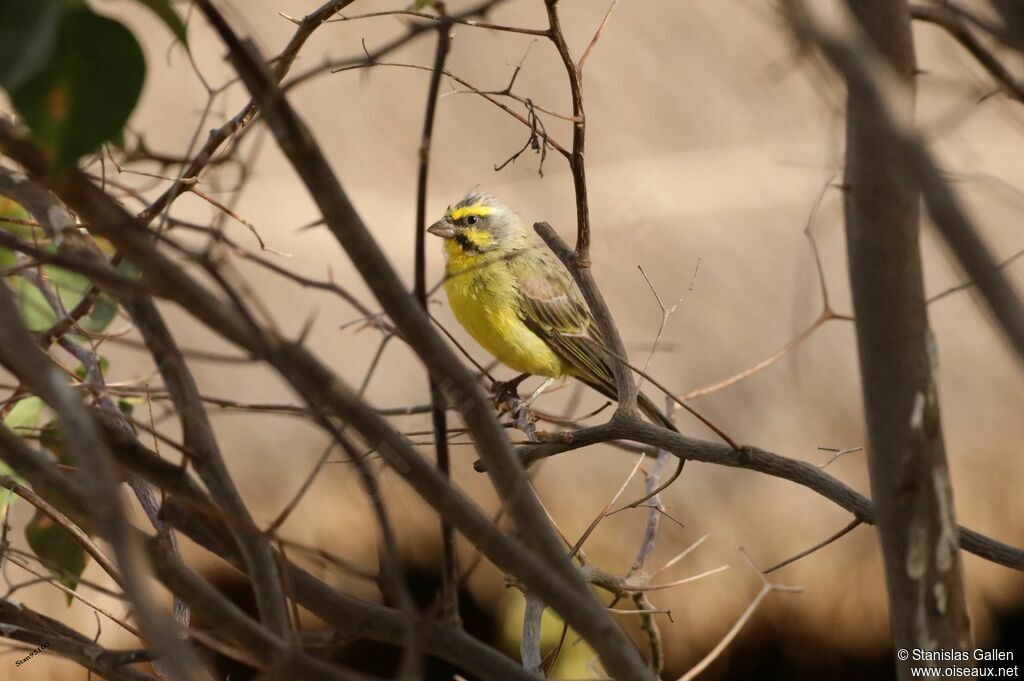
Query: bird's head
x=478, y=223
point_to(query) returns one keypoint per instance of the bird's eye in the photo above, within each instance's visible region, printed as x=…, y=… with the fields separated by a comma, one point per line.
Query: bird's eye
x=471, y=220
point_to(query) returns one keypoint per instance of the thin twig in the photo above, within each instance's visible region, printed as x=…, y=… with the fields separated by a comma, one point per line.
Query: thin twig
x=952, y=22
x=63, y=521
x=820, y=545
x=597, y=35
x=766, y=588
x=444, y=18
x=449, y=548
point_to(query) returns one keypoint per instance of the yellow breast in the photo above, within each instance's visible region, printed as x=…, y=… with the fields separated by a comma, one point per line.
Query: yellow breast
x=483, y=296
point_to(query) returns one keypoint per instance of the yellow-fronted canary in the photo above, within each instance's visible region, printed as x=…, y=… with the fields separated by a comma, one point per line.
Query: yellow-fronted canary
x=519, y=302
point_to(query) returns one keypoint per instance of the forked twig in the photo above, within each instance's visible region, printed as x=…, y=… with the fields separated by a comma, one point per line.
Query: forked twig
x=766, y=588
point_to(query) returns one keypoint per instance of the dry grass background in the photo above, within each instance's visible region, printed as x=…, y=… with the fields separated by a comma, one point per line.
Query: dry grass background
x=709, y=140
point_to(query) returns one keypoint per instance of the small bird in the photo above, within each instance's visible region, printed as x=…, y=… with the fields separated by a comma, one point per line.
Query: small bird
x=520, y=302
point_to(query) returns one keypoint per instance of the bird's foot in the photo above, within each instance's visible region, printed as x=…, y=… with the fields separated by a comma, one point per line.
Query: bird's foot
x=524, y=419
x=506, y=394
x=507, y=401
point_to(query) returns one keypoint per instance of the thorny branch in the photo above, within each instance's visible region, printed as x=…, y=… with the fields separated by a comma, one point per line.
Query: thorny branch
x=217, y=519
x=439, y=418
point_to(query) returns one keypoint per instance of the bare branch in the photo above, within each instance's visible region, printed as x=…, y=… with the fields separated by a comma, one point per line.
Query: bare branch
x=439, y=419
x=21, y=624
x=243, y=118
x=753, y=458
x=433, y=17
x=820, y=545
x=766, y=588
x=297, y=143
x=871, y=44
x=883, y=96
x=63, y=521
x=952, y=22
x=597, y=35
x=19, y=354
x=201, y=441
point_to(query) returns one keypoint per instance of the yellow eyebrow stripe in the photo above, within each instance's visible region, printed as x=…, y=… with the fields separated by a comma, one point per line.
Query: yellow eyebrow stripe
x=462, y=212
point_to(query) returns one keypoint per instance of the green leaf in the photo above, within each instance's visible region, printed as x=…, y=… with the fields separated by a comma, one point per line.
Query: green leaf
x=10, y=209
x=85, y=93
x=25, y=414
x=421, y=4
x=104, y=311
x=6, y=495
x=163, y=9
x=127, y=404
x=28, y=36
x=35, y=311
x=51, y=437
x=70, y=288
x=57, y=549
x=80, y=369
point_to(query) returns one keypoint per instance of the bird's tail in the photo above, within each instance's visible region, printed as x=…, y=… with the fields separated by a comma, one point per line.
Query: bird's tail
x=646, y=405
x=651, y=411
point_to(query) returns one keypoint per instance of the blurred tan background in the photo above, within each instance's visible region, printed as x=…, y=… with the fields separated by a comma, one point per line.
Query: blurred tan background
x=709, y=141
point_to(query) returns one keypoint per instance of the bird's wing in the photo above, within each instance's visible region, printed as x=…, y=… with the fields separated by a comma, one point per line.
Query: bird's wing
x=552, y=306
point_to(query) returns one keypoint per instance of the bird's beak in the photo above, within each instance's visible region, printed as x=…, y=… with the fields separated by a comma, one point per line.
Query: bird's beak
x=442, y=228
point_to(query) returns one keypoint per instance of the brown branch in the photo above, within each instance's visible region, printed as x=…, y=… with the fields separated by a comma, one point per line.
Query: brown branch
x=214, y=607
x=883, y=96
x=561, y=588
x=191, y=511
x=645, y=552
x=817, y=547
x=604, y=513
x=73, y=241
x=969, y=284
x=354, y=619
x=302, y=280
x=755, y=459
x=18, y=623
x=283, y=63
x=1012, y=29
x=98, y=273
x=226, y=210
x=151, y=324
x=306, y=157
x=200, y=439
x=491, y=97
x=886, y=168
x=445, y=19
x=20, y=354
x=953, y=23
x=825, y=316
x=625, y=386
x=22, y=561
x=576, y=162
x=370, y=56
x=597, y=36
x=228, y=619
x=438, y=416
x=766, y=588
x=63, y=521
